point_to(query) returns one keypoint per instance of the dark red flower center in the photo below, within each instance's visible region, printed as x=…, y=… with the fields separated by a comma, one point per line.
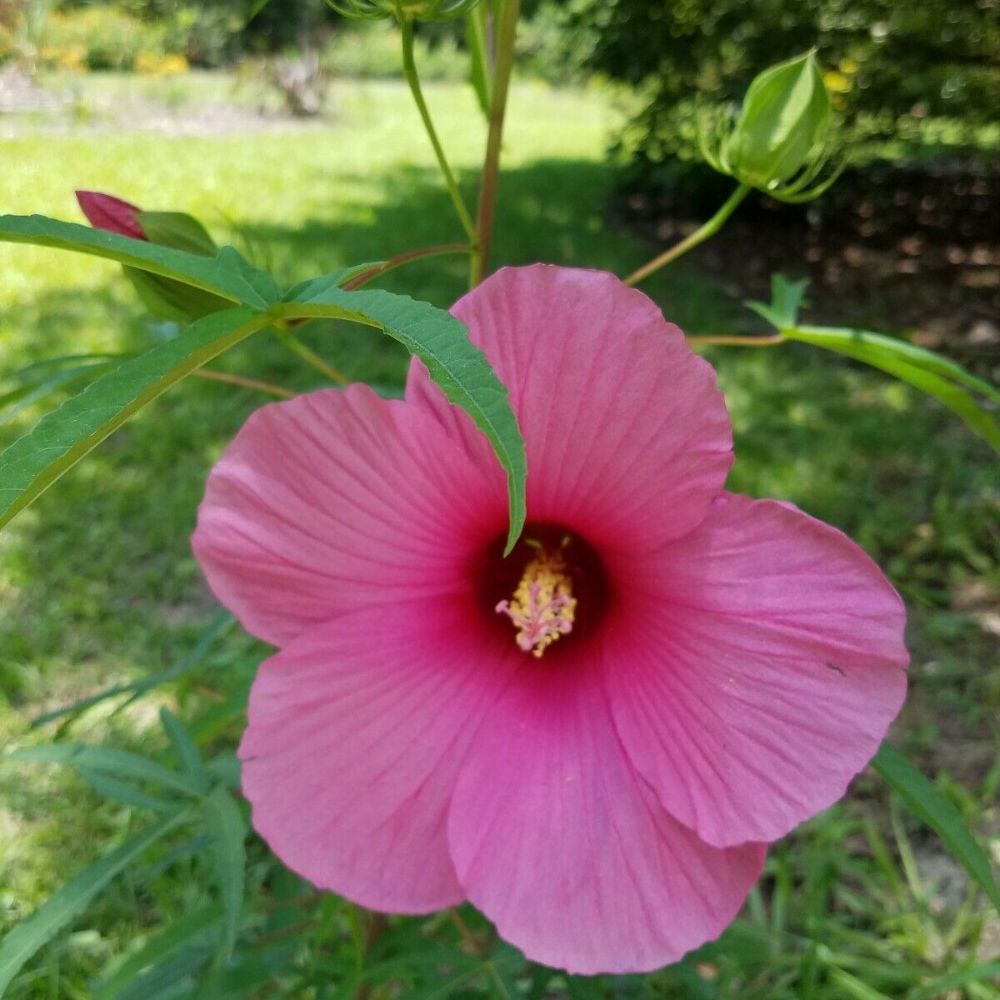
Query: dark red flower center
x=552, y=589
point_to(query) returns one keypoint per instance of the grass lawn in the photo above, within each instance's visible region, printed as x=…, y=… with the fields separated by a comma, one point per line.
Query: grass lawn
x=97, y=583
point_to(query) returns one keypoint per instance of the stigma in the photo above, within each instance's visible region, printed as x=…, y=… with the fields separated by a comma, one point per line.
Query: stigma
x=543, y=606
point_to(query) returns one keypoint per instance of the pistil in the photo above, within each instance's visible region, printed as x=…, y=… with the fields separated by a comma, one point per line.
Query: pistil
x=543, y=606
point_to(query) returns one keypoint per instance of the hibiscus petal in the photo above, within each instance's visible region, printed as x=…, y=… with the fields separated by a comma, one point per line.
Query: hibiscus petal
x=356, y=734
x=760, y=671
x=627, y=435
x=338, y=500
x=559, y=842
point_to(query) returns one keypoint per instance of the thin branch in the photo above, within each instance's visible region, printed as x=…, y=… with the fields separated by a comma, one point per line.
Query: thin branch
x=377, y=270
x=247, y=383
x=311, y=357
x=734, y=340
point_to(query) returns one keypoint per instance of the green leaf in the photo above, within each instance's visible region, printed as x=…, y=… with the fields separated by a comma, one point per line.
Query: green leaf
x=927, y=803
x=34, y=462
x=929, y=374
x=188, y=754
x=106, y=760
x=786, y=299
x=72, y=899
x=176, y=935
x=440, y=341
x=227, y=274
x=228, y=831
x=864, y=344
x=178, y=230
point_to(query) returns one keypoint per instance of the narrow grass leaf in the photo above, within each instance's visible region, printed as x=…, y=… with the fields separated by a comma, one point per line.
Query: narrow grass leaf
x=61, y=438
x=228, y=831
x=29, y=392
x=109, y=787
x=853, y=987
x=221, y=624
x=121, y=764
x=944, y=985
x=177, y=934
x=72, y=899
x=226, y=274
x=188, y=754
x=930, y=806
x=163, y=978
x=440, y=341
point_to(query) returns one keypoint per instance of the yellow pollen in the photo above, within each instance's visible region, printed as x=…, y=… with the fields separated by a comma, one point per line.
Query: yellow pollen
x=543, y=606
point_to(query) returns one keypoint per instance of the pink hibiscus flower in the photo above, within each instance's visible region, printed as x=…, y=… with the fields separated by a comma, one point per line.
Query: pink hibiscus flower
x=592, y=739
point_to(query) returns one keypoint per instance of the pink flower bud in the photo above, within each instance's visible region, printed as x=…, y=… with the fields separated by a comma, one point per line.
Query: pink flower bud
x=105, y=211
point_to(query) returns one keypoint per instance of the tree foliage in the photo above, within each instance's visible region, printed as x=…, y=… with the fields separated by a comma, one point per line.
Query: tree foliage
x=888, y=64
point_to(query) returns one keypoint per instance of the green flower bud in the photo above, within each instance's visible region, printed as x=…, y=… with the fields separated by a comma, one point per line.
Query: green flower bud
x=404, y=10
x=781, y=139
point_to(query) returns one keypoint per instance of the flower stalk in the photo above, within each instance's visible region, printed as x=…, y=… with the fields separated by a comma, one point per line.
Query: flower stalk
x=710, y=228
x=413, y=79
x=486, y=209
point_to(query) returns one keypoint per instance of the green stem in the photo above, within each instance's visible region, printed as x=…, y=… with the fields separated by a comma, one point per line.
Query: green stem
x=486, y=209
x=410, y=72
x=311, y=357
x=701, y=234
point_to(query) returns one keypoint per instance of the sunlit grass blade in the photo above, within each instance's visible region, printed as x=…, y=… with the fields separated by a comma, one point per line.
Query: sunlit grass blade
x=227, y=274
x=440, y=341
x=927, y=803
x=71, y=899
x=61, y=438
